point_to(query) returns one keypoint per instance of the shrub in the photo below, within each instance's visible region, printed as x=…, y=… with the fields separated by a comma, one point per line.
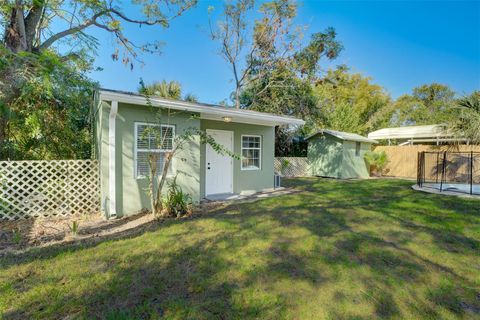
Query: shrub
x=376, y=161
x=177, y=203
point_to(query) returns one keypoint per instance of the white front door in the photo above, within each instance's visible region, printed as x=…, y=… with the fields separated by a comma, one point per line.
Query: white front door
x=219, y=168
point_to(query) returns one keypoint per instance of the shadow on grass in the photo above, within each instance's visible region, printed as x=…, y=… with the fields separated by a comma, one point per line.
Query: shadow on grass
x=194, y=280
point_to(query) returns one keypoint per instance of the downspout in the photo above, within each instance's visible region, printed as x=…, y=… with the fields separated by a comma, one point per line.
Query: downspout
x=112, y=212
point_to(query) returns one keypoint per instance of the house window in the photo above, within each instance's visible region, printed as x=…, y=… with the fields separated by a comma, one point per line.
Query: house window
x=357, y=149
x=152, y=139
x=251, y=152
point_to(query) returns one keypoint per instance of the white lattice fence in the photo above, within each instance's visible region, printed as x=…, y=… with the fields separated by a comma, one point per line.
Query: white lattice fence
x=292, y=166
x=48, y=188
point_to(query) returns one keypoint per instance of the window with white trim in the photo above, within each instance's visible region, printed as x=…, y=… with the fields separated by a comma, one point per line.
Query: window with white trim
x=152, y=139
x=251, y=152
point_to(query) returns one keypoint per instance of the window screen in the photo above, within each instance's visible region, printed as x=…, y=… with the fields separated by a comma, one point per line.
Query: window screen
x=251, y=152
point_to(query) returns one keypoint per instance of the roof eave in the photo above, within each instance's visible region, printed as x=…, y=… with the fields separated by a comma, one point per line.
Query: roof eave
x=206, y=112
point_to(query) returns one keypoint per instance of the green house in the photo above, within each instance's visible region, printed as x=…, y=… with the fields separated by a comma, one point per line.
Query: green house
x=338, y=154
x=123, y=125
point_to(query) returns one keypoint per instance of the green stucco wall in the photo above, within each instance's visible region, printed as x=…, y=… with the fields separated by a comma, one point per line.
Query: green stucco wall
x=131, y=193
x=354, y=166
x=325, y=154
x=248, y=180
x=189, y=164
x=329, y=156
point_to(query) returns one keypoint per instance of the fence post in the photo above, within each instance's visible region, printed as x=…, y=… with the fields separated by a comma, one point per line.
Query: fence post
x=471, y=172
x=444, y=162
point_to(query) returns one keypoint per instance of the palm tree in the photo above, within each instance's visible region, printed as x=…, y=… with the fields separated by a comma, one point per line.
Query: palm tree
x=190, y=97
x=164, y=89
x=467, y=125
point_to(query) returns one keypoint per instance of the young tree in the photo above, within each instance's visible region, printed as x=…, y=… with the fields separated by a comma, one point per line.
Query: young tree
x=467, y=124
x=162, y=138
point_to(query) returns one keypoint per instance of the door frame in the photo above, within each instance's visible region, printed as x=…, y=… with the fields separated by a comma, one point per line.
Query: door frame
x=231, y=159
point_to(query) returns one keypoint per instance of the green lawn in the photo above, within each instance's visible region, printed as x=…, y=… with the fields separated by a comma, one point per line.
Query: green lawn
x=335, y=250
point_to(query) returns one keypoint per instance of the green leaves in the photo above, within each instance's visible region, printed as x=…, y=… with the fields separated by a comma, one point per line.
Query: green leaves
x=45, y=109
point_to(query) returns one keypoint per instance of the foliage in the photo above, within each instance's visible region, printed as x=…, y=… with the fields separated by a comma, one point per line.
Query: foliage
x=347, y=101
x=467, y=124
x=74, y=227
x=176, y=203
x=36, y=26
x=164, y=89
x=45, y=115
x=17, y=236
x=45, y=55
x=369, y=249
x=377, y=162
x=428, y=104
x=190, y=97
x=271, y=47
x=289, y=142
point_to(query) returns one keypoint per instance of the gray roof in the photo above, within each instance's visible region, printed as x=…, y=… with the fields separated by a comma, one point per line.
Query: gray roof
x=347, y=136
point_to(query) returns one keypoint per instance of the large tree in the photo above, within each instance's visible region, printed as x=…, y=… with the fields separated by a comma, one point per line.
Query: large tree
x=46, y=52
x=428, y=104
x=36, y=25
x=252, y=47
x=347, y=101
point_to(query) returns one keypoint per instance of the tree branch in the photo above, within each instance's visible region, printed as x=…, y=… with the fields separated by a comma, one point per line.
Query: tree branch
x=70, y=31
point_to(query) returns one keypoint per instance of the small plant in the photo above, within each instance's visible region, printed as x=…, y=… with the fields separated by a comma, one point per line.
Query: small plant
x=74, y=227
x=177, y=203
x=377, y=161
x=284, y=165
x=17, y=236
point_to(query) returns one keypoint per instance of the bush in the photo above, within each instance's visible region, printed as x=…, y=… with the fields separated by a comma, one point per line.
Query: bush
x=376, y=161
x=177, y=203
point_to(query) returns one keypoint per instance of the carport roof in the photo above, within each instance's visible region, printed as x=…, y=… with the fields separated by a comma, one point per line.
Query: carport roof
x=347, y=136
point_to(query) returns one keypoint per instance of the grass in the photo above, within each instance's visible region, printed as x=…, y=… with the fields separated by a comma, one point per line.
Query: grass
x=335, y=250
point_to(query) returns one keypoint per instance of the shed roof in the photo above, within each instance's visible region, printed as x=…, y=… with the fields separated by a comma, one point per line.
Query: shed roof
x=347, y=136
x=206, y=111
x=411, y=132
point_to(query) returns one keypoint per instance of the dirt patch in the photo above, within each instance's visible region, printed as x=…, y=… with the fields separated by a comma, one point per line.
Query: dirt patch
x=21, y=235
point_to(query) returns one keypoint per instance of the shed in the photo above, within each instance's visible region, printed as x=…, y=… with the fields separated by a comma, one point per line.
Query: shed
x=338, y=154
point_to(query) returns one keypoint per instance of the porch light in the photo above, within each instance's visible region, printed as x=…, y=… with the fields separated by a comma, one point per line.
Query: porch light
x=227, y=119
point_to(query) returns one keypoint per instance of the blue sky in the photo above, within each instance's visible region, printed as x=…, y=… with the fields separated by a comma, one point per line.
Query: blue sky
x=400, y=44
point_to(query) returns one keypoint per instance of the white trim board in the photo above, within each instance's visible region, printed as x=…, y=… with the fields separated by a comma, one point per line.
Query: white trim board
x=112, y=159
x=208, y=112
x=259, y=155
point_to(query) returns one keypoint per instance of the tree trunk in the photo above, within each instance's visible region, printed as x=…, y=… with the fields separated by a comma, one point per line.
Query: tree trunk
x=21, y=31
x=237, y=98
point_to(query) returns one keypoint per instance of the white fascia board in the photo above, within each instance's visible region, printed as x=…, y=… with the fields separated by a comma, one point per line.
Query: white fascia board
x=111, y=159
x=206, y=112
